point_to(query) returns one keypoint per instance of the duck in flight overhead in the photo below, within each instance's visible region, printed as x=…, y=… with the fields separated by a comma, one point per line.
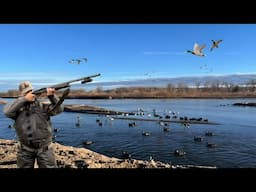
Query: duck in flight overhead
x=72, y=61
x=78, y=61
x=197, y=50
x=85, y=59
x=215, y=44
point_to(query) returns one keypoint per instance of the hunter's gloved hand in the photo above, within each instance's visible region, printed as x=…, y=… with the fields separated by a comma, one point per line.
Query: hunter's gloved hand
x=50, y=91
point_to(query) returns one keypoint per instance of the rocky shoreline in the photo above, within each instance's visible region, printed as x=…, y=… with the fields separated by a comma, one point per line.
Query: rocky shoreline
x=72, y=157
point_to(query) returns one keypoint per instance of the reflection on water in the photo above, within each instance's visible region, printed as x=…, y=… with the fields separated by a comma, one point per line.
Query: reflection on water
x=234, y=138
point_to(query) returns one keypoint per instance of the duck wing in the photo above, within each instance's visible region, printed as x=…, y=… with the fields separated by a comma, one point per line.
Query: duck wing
x=78, y=61
x=217, y=42
x=196, y=47
x=202, y=47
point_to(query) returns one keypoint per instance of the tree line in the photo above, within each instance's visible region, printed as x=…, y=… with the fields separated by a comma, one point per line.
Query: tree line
x=208, y=89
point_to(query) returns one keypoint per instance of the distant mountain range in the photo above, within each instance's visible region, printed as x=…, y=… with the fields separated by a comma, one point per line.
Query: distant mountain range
x=163, y=82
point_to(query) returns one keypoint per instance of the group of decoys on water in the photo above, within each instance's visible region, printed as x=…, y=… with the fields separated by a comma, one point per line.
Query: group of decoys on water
x=178, y=152
x=78, y=121
x=208, y=134
x=149, y=116
x=184, y=120
x=99, y=122
x=164, y=125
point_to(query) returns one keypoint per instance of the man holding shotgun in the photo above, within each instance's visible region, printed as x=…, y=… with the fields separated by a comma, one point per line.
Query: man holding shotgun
x=33, y=126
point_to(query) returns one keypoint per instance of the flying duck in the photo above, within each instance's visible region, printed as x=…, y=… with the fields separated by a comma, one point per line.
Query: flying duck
x=215, y=44
x=197, y=50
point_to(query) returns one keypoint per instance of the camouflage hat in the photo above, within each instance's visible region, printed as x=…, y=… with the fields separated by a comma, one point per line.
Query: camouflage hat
x=24, y=87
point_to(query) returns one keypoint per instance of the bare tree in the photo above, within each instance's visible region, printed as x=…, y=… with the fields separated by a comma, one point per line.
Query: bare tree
x=251, y=85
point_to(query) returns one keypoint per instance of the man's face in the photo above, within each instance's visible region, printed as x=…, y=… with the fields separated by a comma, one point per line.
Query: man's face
x=30, y=91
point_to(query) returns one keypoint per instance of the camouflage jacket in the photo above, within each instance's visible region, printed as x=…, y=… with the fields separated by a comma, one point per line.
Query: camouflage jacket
x=32, y=120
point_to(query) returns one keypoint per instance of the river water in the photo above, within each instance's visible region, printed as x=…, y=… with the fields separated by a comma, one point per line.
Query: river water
x=234, y=136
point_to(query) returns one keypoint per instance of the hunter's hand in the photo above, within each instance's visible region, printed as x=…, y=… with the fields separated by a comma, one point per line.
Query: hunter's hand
x=30, y=96
x=50, y=91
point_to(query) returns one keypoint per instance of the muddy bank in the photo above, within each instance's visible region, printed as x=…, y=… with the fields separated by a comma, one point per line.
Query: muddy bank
x=245, y=104
x=72, y=157
x=92, y=110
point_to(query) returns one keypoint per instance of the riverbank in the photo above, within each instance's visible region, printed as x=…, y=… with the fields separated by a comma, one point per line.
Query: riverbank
x=72, y=157
x=92, y=110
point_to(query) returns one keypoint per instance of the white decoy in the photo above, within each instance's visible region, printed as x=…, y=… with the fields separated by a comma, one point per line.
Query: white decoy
x=197, y=50
x=215, y=44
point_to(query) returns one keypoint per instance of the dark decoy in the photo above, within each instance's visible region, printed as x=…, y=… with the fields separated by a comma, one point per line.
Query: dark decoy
x=198, y=139
x=208, y=133
x=211, y=145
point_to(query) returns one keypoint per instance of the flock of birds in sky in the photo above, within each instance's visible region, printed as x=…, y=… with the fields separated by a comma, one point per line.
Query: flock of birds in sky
x=198, y=51
x=78, y=61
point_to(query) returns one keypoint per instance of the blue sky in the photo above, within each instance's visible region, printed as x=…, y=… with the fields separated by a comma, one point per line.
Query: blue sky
x=41, y=52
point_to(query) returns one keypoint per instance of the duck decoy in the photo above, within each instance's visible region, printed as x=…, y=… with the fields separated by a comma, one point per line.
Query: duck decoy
x=145, y=133
x=166, y=129
x=198, y=139
x=179, y=153
x=209, y=133
x=87, y=142
x=211, y=145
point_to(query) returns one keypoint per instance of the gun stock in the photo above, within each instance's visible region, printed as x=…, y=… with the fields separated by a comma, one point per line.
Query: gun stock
x=65, y=84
